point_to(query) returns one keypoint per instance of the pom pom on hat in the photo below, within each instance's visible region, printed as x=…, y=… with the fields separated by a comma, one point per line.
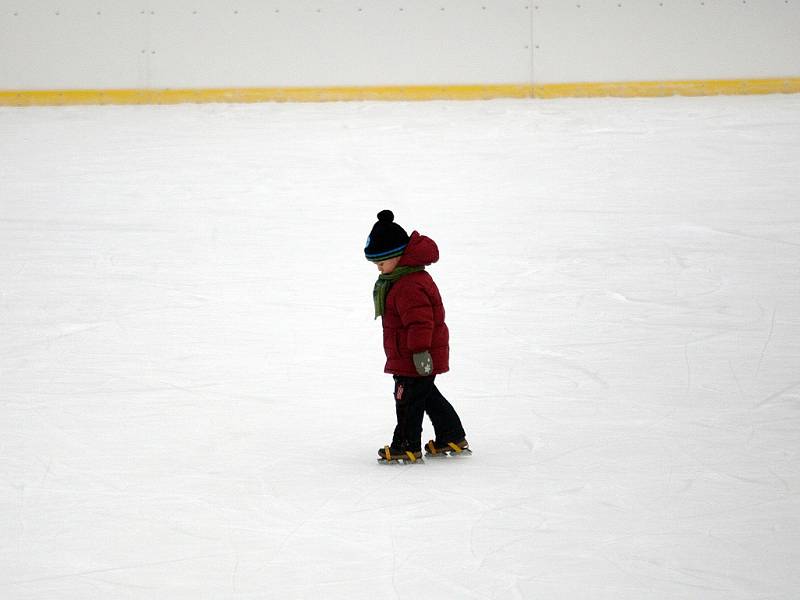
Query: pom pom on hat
x=386, y=240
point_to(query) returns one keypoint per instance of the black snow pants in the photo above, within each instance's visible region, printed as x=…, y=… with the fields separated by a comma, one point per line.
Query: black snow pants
x=415, y=396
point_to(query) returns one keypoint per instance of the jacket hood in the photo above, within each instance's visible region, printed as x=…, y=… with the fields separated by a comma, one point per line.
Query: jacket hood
x=420, y=251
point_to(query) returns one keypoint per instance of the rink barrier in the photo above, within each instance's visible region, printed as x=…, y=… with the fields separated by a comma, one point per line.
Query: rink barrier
x=640, y=89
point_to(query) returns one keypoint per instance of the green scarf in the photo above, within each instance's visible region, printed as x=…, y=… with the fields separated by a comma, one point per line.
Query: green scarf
x=384, y=283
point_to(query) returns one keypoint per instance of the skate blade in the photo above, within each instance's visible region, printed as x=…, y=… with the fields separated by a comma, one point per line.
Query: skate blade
x=446, y=454
x=401, y=461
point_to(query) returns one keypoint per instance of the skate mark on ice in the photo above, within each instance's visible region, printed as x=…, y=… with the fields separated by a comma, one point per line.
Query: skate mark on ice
x=753, y=237
x=109, y=570
x=736, y=379
x=62, y=331
x=782, y=481
x=682, y=302
x=527, y=442
x=768, y=401
x=749, y=506
x=571, y=365
x=688, y=372
x=394, y=564
x=643, y=340
x=711, y=336
x=769, y=338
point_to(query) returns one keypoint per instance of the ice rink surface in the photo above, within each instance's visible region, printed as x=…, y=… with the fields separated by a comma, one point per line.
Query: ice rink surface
x=191, y=386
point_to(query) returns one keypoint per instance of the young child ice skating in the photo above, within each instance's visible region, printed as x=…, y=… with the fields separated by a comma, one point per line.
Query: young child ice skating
x=415, y=339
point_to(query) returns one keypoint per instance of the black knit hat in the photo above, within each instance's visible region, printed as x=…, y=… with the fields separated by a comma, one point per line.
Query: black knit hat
x=386, y=240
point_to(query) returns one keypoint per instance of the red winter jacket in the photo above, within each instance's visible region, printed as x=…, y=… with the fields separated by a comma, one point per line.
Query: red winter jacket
x=413, y=319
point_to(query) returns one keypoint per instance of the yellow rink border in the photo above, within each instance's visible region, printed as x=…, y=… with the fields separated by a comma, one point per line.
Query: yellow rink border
x=628, y=89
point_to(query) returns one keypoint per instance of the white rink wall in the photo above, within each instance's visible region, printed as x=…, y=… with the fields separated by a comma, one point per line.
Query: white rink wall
x=142, y=44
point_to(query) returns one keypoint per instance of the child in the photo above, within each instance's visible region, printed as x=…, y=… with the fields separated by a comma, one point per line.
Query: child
x=415, y=339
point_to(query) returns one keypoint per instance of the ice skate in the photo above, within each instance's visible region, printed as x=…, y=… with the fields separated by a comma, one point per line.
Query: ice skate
x=434, y=449
x=394, y=455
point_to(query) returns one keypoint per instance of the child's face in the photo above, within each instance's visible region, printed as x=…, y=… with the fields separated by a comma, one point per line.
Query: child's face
x=387, y=266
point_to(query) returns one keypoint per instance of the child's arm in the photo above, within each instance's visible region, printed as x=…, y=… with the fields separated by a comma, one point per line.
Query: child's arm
x=416, y=314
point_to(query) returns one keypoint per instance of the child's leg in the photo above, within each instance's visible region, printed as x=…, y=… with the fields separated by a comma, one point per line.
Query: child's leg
x=410, y=394
x=446, y=423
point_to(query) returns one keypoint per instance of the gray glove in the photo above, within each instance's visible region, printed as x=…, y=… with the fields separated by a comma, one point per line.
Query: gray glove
x=423, y=363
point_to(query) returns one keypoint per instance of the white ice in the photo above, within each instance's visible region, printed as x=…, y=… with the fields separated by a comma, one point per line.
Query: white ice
x=191, y=386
